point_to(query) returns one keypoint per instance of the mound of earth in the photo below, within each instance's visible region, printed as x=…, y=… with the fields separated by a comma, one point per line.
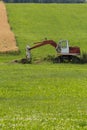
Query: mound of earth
x=7, y=38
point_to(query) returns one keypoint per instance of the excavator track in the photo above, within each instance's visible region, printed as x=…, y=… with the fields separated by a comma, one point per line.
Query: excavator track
x=67, y=59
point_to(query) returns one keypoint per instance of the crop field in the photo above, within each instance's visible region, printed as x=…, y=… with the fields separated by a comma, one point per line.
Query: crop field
x=44, y=96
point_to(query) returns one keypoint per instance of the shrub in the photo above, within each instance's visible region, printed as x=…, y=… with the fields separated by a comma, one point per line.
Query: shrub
x=84, y=57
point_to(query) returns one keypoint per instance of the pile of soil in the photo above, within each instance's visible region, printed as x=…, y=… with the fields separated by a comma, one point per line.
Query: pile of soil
x=7, y=38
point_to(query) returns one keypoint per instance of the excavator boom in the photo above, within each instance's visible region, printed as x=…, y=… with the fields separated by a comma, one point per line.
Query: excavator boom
x=38, y=44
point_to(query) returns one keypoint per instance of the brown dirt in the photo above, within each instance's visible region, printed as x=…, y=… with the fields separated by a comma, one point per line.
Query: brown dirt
x=7, y=38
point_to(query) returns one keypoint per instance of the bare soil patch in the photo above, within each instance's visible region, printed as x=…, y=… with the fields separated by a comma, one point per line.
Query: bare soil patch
x=7, y=38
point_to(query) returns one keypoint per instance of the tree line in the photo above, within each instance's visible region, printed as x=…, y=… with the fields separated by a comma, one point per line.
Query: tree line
x=45, y=1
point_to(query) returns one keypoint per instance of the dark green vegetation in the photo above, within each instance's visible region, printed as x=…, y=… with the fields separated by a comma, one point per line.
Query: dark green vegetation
x=45, y=1
x=44, y=96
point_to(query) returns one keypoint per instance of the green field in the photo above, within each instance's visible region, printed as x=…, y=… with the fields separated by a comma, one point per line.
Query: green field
x=33, y=22
x=44, y=96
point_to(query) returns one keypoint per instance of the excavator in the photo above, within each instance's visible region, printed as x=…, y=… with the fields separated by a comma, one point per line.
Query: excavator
x=65, y=53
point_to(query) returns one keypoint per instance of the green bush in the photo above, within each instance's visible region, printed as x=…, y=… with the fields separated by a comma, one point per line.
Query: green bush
x=84, y=57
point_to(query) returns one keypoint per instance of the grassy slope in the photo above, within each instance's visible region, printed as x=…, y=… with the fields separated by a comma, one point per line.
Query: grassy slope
x=45, y=96
x=32, y=23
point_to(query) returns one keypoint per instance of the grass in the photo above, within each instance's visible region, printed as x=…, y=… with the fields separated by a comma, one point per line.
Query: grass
x=44, y=96
x=34, y=22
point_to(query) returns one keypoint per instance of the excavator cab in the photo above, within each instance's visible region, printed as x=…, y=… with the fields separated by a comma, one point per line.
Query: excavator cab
x=63, y=47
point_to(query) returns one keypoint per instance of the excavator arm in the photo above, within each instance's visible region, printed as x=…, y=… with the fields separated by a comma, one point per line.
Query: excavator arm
x=46, y=42
x=38, y=44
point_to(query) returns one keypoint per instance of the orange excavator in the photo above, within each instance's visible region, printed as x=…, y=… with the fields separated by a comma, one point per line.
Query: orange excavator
x=64, y=51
